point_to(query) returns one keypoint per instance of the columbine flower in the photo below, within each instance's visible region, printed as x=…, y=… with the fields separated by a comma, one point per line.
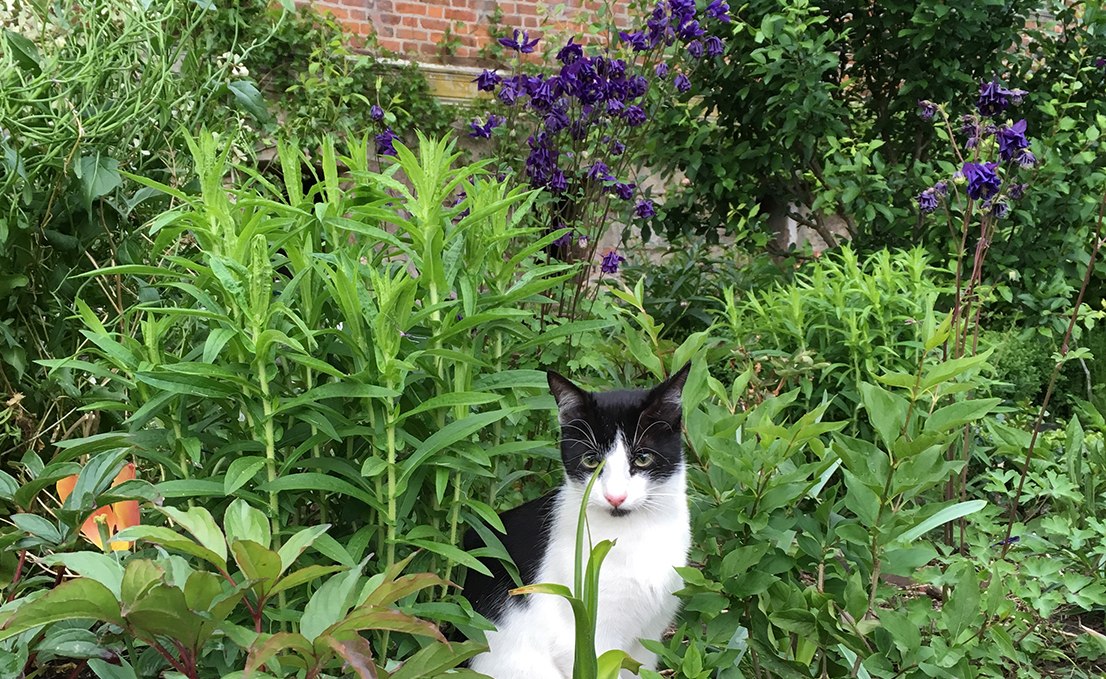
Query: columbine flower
x=611, y=261
x=485, y=131
x=715, y=47
x=624, y=191
x=617, y=148
x=637, y=40
x=521, y=44
x=927, y=201
x=636, y=86
x=1017, y=191
x=1000, y=209
x=691, y=30
x=600, y=172
x=941, y=187
x=719, y=10
x=661, y=70
x=634, y=116
x=1026, y=158
x=376, y=113
x=564, y=240
x=994, y=98
x=583, y=242
x=115, y=517
x=682, y=83
x=1011, y=139
x=645, y=209
x=486, y=81
x=926, y=109
x=384, y=141
x=983, y=182
x=570, y=52
x=558, y=182
x=695, y=49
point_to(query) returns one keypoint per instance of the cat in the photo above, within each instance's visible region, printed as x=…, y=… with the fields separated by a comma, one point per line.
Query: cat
x=639, y=500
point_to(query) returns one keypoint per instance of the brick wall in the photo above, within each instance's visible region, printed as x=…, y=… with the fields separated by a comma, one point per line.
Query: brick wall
x=418, y=28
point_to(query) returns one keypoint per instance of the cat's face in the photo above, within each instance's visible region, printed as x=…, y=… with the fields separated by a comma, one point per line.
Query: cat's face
x=637, y=433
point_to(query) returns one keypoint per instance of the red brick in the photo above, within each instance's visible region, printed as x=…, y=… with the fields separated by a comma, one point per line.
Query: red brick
x=466, y=14
x=437, y=26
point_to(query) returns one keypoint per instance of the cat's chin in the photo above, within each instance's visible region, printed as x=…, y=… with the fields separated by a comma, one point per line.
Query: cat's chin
x=618, y=511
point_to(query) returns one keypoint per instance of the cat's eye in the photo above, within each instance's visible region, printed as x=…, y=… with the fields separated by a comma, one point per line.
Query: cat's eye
x=590, y=460
x=644, y=460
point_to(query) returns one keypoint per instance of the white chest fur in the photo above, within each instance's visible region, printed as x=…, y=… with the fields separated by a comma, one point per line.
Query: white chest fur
x=636, y=590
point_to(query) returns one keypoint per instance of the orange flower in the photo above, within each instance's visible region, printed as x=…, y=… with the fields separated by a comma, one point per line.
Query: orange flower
x=115, y=517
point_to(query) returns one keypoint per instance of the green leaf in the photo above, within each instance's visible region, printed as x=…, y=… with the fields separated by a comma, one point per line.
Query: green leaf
x=240, y=472
x=449, y=435
x=79, y=599
x=886, y=411
x=170, y=539
x=106, y=670
x=956, y=415
x=249, y=98
x=199, y=522
x=291, y=550
x=99, y=176
x=946, y=514
x=612, y=662
x=243, y=522
x=257, y=563
x=304, y=576
x=452, y=553
x=97, y=566
x=139, y=577
x=330, y=603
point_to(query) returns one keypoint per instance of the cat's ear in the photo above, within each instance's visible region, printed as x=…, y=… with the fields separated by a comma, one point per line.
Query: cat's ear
x=664, y=402
x=570, y=398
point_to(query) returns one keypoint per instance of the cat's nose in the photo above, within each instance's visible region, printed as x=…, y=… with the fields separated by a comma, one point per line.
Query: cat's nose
x=615, y=500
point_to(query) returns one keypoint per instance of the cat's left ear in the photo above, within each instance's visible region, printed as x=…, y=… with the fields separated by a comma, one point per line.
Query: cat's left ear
x=570, y=398
x=664, y=402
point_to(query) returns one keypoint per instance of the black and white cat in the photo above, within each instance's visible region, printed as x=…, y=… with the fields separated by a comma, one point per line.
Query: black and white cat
x=640, y=500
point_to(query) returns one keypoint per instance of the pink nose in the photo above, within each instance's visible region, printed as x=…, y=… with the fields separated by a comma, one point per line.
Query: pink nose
x=615, y=500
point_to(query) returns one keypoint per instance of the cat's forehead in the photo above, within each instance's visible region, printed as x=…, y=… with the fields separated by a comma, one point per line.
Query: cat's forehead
x=620, y=400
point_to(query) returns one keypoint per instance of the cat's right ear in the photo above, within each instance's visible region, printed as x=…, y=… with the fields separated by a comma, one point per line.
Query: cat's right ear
x=570, y=398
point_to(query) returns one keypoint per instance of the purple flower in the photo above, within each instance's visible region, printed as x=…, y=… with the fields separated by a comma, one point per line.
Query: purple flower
x=485, y=131
x=617, y=148
x=583, y=241
x=941, y=187
x=570, y=52
x=558, y=182
x=614, y=107
x=927, y=201
x=611, y=261
x=715, y=46
x=384, y=142
x=926, y=109
x=1027, y=159
x=993, y=98
x=634, y=116
x=1000, y=209
x=376, y=113
x=624, y=191
x=661, y=70
x=1011, y=139
x=682, y=83
x=691, y=30
x=720, y=10
x=555, y=121
x=695, y=49
x=682, y=11
x=983, y=181
x=645, y=209
x=636, y=86
x=637, y=40
x=521, y=44
x=1017, y=191
x=600, y=172
x=564, y=240
x=486, y=81
x=1100, y=62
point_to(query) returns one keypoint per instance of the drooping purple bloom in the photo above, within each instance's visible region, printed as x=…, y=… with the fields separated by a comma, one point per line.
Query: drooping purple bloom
x=485, y=131
x=1026, y=158
x=570, y=52
x=941, y=187
x=719, y=10
x=555, y=121
x=558, y=182
x=682, y=83
x=541, y=163
x=600, y=172
x=993, y=98
x=1100, y=62
x=983, y=181
x=927, y=201
x=691, y=30
x=521, y=42
x=611, y=261
x=1011, y=139
x=486, y=81
x=614, y=107
x=682, y=11
x=715, y=46
x=636, y=86
x=376, y=113
x=509, y=91
x=564, y=240
x=617, y=148
x=661, y=70
x=637, y=40
x=695, y=49
x=926, y=109
x=384, y=141
x=1017, y=191
x=645, y=208
x=623, y=190
x=1000, y=209
x=634, y=116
